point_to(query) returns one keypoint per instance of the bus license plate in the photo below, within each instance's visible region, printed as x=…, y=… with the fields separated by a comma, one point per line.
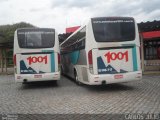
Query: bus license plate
x=118, y=76
x=37, y=76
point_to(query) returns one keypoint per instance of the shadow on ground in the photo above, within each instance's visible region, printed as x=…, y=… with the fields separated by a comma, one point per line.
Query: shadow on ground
x=39, y=85
x=107, y=87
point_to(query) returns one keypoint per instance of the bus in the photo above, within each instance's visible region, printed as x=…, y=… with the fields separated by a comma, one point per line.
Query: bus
x=105, y=50
x=36, y=55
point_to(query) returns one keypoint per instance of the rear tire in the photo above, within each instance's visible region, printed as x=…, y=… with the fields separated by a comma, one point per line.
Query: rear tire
x=55, y=81
x=61, y=70
x=76, y=78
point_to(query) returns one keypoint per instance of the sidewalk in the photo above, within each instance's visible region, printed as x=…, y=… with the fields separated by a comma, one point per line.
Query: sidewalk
x=9, y=71
x=151, y=73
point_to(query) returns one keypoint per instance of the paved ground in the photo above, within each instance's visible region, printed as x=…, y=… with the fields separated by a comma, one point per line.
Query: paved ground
x=66, y=97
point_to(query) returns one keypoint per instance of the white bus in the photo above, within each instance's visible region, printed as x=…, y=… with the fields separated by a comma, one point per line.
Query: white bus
x=104, y=51
x=36, y=55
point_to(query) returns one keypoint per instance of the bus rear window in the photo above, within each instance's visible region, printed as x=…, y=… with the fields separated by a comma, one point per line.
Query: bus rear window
x=36, y=38
x=113, y=29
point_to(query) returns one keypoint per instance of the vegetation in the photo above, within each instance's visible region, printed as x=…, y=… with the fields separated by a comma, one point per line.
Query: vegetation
x=63, y=37
x=7, y=31
x=6, y=39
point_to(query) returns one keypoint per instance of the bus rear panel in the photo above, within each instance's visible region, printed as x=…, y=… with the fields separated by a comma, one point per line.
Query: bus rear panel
x=116, y=58
x=36, y=55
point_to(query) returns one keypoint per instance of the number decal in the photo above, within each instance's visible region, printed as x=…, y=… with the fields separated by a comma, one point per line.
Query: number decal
x=114, y=56
x=39, y=59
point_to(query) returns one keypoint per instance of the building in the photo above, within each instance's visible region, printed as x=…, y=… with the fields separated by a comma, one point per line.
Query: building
x=72, y=29
x=150, y=45
x=69, y=31
x=6, y=53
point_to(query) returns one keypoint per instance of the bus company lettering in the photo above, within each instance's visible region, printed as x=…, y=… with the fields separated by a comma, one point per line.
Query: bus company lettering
x=39, y=59
x=114, y=56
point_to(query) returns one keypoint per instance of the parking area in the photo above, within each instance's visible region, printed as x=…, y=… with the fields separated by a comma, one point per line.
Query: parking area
x=67, y=97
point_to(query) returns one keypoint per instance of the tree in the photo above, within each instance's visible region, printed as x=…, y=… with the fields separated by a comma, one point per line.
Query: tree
x=7, y=31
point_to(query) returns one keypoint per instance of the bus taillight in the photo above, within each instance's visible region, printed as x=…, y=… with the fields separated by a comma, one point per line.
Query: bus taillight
x=59, y=59
x=14, y=59
x=90, y=61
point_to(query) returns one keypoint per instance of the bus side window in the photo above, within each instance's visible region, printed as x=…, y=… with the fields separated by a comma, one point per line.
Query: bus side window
x=76, y=42
x=81, y=36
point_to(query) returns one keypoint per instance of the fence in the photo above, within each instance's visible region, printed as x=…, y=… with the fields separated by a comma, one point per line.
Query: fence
x=6, y=60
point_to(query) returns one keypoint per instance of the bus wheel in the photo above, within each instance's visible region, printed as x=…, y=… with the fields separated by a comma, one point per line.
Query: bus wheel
x=55, y=82
x=76, y=78
x=61, y=70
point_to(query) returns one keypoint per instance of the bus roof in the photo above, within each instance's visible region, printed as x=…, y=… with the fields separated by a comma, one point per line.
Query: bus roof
x=72, y=35
x=111, y=17
x=31, y=28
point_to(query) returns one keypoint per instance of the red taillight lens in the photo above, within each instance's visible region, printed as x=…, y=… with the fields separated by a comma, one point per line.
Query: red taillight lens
x=59, y=59
x=90, y=61
x=14, y=60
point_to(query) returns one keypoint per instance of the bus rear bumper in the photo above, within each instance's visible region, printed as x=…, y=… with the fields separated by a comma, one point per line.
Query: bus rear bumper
x=37, y=77
x=114, y=78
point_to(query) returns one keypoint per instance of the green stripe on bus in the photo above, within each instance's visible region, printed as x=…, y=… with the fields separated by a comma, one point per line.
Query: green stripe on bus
x=47, y=50
x=74, y=57
x=134, y=57
x=52, y=62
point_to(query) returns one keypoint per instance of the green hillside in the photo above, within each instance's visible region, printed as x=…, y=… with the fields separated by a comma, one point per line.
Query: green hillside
x=7, y=31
